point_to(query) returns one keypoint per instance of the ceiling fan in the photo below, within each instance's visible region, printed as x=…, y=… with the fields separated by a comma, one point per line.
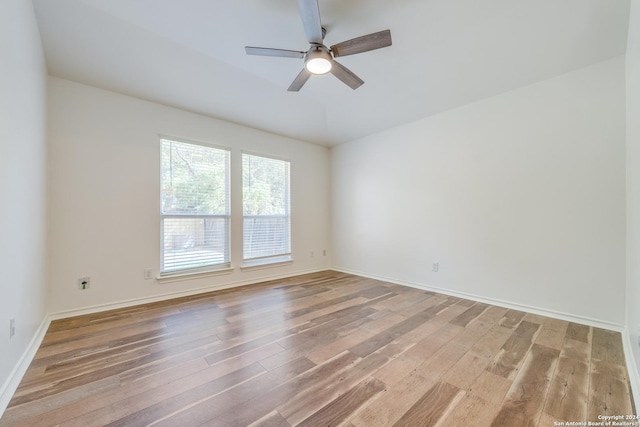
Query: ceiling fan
x=319, y=59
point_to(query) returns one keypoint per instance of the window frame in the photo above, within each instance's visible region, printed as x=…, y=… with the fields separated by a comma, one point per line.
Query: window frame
x=269, y=260
x=224, y=266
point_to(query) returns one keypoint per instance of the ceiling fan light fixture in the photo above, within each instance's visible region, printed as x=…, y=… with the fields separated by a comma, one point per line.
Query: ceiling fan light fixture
x=318, y=61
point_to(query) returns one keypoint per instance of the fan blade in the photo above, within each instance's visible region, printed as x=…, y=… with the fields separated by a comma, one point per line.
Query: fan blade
x=362, y=44
x=346, y=75
x=299, y=81
x=310, y=14
x=266, y=51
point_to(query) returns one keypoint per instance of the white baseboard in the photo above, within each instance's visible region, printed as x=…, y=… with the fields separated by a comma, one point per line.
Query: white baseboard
x=632, y=370
x=11, y=384
x=171, y=295
x=501, y=303
x=13, y=381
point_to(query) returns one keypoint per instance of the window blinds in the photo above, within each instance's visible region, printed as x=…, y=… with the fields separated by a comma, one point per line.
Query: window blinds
x=195, y=208
x=266, y=208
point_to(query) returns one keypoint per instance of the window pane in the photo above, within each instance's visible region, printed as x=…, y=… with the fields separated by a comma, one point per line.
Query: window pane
x=194, y=179
x=267, y=222
x=266, y=236
x=194, y=242
x=194, y=206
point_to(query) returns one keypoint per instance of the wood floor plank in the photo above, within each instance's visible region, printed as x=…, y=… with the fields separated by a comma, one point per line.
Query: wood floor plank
x=400, y=397
x=494, y=314
x=393, y=404
x=273, y=419
x=578, y=332
x=490, y=388
x=331, y=349
x=512, y=319
x=609, y=391
x=329, y=314
x=432, y=407
x=466, y=302
x=470, y=314
x=78, y=380
x=60, y=331
x=326, y=336
x=134, y=407
x=513, y=352
x=109, y=337
x=473, y=411
x=33, y=410
x=524, y=402
x=450, y=313
x=324, y=348
x=407, y=362
x=578, y=350
x=97, y=402
x=553, y=334
x=430, y=328
x=465, y=371
x=75, y=360
x=343, y=406
x=472, y=333
x=313, y=398
x=402, y=301
x=569, y=392
x=326, y=332
x=490, y=343
x=421, y=306
x=535, y=318
x=443, y=360
x=209, y=408
x=607, y=347
x=256, y=408
x=385, y=337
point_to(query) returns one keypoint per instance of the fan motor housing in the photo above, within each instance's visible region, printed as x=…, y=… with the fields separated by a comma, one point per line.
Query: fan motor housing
x=318, y=59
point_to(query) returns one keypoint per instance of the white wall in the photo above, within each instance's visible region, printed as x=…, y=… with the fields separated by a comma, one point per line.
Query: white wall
x=22, y=185
x=633, y=178
x=104, y=195
x=520, y=198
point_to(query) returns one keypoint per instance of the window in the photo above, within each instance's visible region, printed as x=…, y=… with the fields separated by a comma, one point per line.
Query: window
x=266, y=212
x=194, y=207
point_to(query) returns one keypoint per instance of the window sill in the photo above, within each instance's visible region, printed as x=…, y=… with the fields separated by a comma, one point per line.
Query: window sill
x=271, y=263
x=178, y=277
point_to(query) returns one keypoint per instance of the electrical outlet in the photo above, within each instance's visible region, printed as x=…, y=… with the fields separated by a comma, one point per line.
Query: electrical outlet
x=435, y=267
x=148, y=274
x=311, y=254
x=324, y=252
x=12, y=327
x=84, y=283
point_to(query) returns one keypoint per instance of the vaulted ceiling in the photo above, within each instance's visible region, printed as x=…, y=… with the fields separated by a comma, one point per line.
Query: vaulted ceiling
x=445, y=53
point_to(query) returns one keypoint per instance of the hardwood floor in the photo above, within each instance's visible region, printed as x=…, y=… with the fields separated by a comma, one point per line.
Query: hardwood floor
x=322, y=349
